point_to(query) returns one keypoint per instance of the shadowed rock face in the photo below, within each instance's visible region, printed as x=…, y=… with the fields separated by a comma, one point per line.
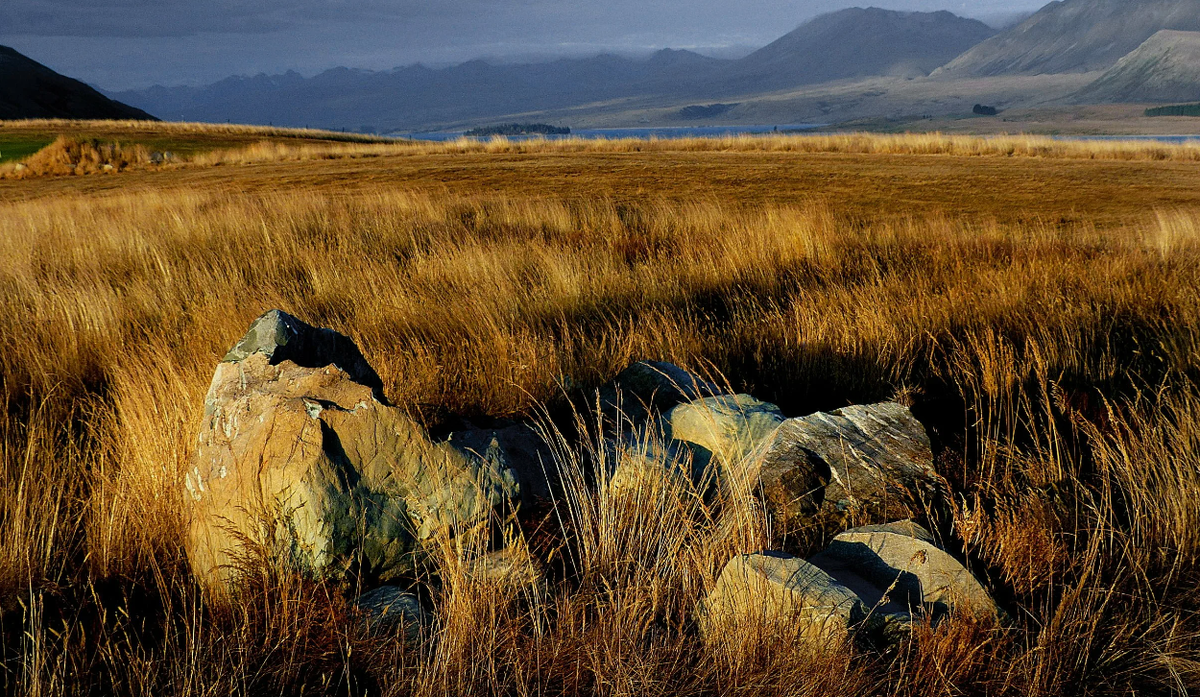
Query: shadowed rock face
x=281, y=337
x=300, y=463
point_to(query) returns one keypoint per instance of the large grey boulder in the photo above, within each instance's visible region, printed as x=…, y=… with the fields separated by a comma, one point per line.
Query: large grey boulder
x=782, y=596
x=901, y=564
x=301, y=462
x=873, y=457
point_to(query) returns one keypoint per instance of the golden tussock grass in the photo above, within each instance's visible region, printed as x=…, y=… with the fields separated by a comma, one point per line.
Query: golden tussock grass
x=1055, y=367
x=846, y=143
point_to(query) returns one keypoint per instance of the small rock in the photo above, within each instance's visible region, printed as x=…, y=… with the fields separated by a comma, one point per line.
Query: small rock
x=783, y=595
x=900, y=563
x=511, y=566
x=519, y=449
x=388, y=608
x=647, y=467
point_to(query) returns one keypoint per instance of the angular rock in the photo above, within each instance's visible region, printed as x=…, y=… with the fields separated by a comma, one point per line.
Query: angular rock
x=305, y=464
x=730, y=428
x=650, y=387
x=784, y=596
x=388, y=608
x=866, y=456
x=281, y=337
x=900, y=564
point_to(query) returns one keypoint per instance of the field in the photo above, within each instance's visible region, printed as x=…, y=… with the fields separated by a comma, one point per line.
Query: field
x=1034, y=301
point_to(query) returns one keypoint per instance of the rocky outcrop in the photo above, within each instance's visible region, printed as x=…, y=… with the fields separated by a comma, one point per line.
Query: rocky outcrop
x=871, y=581
x=301, y=462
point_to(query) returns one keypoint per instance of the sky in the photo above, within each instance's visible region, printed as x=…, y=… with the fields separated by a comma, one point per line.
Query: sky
x=126, y=44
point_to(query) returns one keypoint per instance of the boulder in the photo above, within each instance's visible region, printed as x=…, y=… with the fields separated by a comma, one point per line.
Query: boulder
x=647, y=388
x=784, y=596
x=874, y=457
x=900, y=564
x=301, y=461
x=731, y=428
x=390, y=608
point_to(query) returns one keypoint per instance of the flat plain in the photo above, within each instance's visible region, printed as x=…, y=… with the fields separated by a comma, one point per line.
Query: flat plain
x=1035, y=303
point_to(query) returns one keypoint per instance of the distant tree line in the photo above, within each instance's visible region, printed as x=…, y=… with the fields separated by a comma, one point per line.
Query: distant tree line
x=1175, y=110
x=520, y=129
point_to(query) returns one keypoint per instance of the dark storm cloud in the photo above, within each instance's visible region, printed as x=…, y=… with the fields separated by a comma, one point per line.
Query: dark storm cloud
x=183, y=17
x=119, y=44
x=124, y=18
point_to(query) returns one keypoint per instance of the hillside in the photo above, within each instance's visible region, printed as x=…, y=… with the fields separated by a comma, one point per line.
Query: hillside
x=855, y=43
x=1075, y=36
x=1166, y=68
x=30, y=90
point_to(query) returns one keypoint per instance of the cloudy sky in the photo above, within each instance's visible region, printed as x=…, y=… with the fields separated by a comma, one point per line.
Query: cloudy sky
x=119, y=44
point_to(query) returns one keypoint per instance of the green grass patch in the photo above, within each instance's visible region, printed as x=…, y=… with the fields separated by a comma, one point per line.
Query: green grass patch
x=1175, y=110
x=20, y=147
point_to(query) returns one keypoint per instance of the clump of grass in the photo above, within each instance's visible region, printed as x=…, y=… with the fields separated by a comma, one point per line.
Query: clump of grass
x=69, y=156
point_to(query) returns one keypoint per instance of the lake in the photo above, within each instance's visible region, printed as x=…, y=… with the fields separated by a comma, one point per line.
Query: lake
x=661, y=133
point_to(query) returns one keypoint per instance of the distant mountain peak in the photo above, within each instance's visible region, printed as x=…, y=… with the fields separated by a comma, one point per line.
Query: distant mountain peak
x=860, y=42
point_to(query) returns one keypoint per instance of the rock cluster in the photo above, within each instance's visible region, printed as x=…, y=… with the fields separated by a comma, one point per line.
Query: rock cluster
x=303, y=462
x=876, y=579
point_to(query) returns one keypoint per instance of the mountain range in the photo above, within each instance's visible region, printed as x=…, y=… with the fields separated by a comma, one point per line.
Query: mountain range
x=851, y=64
x=844, y=45
x=1165, y=68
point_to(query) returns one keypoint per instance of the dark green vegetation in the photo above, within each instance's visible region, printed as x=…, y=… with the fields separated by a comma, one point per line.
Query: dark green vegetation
x=519, y=129
x=19, y=147
x=1175, y=110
